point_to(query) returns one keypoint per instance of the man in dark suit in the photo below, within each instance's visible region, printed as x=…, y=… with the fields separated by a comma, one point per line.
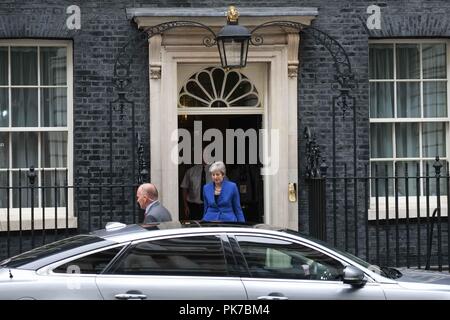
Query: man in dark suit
x=147, y=197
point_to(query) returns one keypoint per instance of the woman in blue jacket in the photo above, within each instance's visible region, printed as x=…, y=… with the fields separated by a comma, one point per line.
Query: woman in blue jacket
x=221, y=197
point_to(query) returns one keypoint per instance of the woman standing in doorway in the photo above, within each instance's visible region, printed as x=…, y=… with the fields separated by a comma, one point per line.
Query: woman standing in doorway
x=221, y=197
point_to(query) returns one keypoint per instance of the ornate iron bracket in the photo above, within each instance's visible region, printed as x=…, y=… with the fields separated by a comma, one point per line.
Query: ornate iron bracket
x=122, y=76
x=344, y=75
x=160, y=28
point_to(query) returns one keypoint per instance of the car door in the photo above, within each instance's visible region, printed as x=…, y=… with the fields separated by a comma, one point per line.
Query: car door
x=71, y=278
x=281, y=269
x=191, y=267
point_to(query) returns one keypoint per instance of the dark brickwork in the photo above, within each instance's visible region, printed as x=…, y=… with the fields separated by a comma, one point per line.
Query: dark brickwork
x=105, y=29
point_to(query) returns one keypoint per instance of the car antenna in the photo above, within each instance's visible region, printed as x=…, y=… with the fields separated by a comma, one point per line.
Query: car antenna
x=10, y=274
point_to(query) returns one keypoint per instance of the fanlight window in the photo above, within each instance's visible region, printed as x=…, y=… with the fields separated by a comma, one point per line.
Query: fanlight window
x=215, y=87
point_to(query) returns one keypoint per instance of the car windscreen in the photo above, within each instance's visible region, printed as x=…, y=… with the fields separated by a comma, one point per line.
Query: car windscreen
x=365, y=264
x=51, y=249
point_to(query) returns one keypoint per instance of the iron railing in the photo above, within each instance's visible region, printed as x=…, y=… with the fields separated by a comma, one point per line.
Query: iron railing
x=397, y=219
x=34, y=212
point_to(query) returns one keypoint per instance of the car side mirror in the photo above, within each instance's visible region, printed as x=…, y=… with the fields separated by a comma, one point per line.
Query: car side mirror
x=354, y=276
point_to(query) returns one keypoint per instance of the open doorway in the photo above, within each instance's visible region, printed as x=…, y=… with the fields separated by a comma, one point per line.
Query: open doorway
x=243, y=165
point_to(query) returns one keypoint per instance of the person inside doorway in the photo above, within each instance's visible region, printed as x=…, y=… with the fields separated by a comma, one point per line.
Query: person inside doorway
x=193, y=181
x=221, y=197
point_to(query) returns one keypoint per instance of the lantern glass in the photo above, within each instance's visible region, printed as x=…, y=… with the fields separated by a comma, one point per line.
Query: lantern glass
x=233, y=52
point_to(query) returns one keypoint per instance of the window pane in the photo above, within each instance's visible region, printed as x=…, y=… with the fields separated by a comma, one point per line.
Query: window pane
x=54, y=107
x=218, y=77
x=4, y=191
x=282, y=259
x=22, y=196
x=407, y=139
x=4, y=116
x=24, y=146
x=90, y=264
x=53, y=248
x=196, y=91
x=53, y=66
x=433, y=139
x=382, y=100
x=187, y=256
x=381, y=140
x=408, y=99
x=56, y=181
x=408, y=63
x=434, y=61
x=24, y=66
x=3, y=66
x=382, y=175
x=4, y=150
x=381, y=58
x=24, y=107
x=54, y=149
x=407, y=169
x=435, y=99
x=432, y=181
x=231, y=80
x=206, y=82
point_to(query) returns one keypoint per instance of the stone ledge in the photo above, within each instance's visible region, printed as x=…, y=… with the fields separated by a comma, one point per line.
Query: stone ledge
x=15, y=223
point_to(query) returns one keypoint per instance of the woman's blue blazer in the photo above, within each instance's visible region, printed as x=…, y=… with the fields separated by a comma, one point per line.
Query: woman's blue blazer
x=228, y=206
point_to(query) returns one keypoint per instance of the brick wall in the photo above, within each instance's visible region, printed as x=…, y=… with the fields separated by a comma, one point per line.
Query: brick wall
x=105, y=29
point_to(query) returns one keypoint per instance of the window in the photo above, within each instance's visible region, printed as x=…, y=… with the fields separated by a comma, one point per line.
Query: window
x=283, y=259
x=409, y=116
x=33, y=256
x=90, y=264
x=35, y=122
x=185, y=256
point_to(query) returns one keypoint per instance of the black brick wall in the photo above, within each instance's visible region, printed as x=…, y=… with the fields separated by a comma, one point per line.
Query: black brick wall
x=105, y=29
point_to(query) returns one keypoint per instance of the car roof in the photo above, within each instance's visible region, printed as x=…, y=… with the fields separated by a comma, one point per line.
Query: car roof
x=119, y=232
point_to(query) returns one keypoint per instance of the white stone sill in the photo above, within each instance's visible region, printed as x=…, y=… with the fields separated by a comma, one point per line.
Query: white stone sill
x=413, y=212
x=49, y=219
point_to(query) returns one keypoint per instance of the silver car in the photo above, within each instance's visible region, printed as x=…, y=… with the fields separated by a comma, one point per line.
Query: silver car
x=196, y=261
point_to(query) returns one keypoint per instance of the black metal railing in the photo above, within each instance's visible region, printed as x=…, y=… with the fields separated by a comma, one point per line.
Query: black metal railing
x=397, y=219
x=41, y=207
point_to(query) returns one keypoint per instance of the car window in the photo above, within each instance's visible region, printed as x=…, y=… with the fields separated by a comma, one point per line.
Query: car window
x=275, y=258
x=90, y=264
x=186, y=256
x=51, y=249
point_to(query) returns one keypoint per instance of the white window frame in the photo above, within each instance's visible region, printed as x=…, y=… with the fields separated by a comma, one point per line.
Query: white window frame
x=412, y=199
x=63, y=219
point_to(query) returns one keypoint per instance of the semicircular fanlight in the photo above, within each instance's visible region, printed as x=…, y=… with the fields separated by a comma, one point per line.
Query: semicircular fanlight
x=215, y=87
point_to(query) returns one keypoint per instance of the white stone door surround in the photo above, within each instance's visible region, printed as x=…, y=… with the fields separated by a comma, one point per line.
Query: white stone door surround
x=184, y=46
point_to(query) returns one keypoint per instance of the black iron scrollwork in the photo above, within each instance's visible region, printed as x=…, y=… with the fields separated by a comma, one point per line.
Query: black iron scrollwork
x=160, y=28
x=314, y=167
x=344, y=75
x=143, y=172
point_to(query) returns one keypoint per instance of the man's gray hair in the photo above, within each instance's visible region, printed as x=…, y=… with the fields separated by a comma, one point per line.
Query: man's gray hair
x=218, y=166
